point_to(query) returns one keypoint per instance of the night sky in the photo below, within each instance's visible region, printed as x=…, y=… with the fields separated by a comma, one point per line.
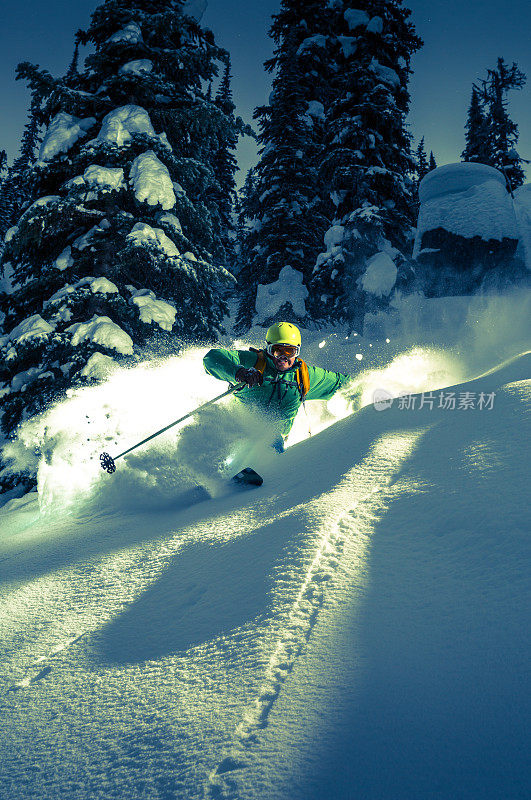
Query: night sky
x=461, y=39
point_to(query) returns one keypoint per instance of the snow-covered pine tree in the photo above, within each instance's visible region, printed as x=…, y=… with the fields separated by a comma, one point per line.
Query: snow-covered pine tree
x=243, y=222
x=422, y=161
x=16, y=189
x=120, y=243
x=288, y=207
x=368, y=162
x=491, y=135
x=432, y=162
x=504, y=132
x=478, y=136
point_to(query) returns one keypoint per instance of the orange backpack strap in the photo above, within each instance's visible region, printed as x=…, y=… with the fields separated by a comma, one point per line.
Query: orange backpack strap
x=260, y=363
x=303, y=378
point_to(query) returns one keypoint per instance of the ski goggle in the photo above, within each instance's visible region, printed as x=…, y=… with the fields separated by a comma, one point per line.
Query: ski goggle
x=288, y=350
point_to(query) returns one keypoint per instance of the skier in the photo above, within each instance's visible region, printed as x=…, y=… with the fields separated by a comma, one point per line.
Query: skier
x=277, y=380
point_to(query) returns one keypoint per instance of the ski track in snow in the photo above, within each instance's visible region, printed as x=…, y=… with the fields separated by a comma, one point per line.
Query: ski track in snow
x=367, y=483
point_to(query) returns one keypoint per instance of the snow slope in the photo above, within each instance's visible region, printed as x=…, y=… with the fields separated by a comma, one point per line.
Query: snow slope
x=355, y=628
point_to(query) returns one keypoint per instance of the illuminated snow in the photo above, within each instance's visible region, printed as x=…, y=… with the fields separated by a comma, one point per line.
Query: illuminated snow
x=121, y=123
x=151, y=181
x=63, y=132
x=140, y=66
x=64, y=260
x=356, y=622
x=141, y=234
x=30, y=328
x=104, y=331
x=130, y=33
x=153, y=310
x=288, y=288
x=110, y=178
x=380, y=275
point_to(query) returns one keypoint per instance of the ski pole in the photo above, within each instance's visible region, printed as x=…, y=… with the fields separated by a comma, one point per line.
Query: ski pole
x=107, y=461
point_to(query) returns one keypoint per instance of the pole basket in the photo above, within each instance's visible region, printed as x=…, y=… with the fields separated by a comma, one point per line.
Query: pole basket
x=107, y=463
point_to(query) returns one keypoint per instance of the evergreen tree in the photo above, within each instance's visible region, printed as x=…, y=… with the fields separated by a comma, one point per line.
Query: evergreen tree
x=243, y=221
x=478, y=135
x=491, y=135
x=433, y=163
x=225, y=164
x=422, y=161
x=16, y=189
x=504, y=132
x=288, y=207
x=367, y=161
x=120, y=245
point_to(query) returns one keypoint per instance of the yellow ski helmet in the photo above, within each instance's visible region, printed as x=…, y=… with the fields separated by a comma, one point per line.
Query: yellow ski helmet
x=284, y=333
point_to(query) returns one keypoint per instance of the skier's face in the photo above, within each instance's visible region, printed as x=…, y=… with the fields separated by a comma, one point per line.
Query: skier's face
x=284, y=357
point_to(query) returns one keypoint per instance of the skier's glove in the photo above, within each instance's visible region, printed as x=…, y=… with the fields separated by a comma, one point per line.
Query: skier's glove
x=252, y=376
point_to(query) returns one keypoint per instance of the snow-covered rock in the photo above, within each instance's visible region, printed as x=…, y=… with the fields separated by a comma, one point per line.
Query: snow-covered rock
x=104, y=331
x=522, y=207
x=143, y=234
x=151, y=181
x=110, y=178
x=130, y=33
x=468, y=200
x=466, y=229
x=288, y=288
x=140, y=66
x=63, y=132
x=153, y=310
x=379, y=276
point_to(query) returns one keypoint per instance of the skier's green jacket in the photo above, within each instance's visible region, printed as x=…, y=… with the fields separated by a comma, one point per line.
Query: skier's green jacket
x=279, y=394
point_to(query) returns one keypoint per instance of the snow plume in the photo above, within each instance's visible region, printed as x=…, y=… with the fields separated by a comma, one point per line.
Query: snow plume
x=63, y=444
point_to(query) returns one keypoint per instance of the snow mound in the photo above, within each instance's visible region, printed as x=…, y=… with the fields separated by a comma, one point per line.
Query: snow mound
x=153, y=310
x=354, y=18
x=111, y=178
x=130, y=33
x=29, y=328
x=121, y=123
x=139, y=66
x=143, y=234
x=380, y=275
x=288, y=288
x=458, y=177
x=98, y=366
x=385, y=74
x=64, y=260
x=152, y=182
x=467, y=200
x=63, y=132
x=318, y=40
x=104, y=331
